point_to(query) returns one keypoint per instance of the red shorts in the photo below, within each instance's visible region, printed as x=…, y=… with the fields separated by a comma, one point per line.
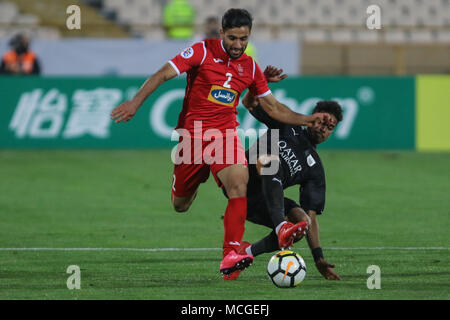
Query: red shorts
x=192, y=168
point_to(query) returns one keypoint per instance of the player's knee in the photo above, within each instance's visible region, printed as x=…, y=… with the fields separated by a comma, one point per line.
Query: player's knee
x=234, y=179
x=181, y=209
x=267, y=164
x=180, y=205
x=236, y=188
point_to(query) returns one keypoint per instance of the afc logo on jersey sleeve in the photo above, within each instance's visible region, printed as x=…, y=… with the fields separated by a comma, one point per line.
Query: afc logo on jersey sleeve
x=187, y=53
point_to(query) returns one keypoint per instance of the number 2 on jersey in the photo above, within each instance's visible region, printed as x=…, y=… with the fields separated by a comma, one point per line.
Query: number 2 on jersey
x=227, y=83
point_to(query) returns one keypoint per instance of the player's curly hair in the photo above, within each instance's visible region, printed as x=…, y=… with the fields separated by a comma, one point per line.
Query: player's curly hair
x=329, y=106
x=236, y=18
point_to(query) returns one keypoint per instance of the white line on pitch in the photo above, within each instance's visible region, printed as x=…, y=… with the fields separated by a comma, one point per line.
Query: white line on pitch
x=205, y=249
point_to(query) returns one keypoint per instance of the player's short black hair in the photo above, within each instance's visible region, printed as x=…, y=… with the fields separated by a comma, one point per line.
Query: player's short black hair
x=329, y=106
x=236, y=18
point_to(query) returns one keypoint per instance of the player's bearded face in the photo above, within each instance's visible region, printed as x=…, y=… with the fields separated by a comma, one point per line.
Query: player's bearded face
x=235, y=41
x=320, y=132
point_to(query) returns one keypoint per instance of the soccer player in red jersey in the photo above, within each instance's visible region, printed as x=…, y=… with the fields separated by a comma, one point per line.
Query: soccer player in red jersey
x=218, y=71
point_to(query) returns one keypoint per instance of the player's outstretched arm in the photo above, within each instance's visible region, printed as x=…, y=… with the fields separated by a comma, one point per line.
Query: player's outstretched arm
x=126, y=110
x=282, y=113
x=312, y=236
x=279, y=111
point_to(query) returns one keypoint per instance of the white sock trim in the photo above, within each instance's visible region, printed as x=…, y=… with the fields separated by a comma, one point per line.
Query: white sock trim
x=248, y=250
x=279, y=226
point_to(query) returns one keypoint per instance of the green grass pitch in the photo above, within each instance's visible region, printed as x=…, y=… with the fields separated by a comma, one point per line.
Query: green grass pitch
x=389, y=209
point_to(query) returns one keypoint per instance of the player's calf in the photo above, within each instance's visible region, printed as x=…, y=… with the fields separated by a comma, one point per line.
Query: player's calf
x=296, y=215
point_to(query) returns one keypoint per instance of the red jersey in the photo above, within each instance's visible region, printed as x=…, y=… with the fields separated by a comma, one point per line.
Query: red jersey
x=214, y=84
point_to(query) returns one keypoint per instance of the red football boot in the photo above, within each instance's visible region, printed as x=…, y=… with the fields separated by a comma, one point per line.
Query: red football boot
x=288, y=231
x=234, y=262
x=241, y=250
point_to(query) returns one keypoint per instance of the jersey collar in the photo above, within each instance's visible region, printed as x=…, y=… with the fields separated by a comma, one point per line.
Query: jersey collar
x=223, y=48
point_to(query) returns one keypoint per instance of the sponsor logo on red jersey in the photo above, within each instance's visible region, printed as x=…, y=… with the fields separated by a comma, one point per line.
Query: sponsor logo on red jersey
x=222, y=96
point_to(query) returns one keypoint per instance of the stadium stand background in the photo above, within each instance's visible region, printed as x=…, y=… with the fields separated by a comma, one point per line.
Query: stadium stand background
x=414, y=38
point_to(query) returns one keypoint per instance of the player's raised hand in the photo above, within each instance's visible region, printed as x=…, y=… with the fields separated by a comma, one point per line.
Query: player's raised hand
x=326, y=269
x=274, y=74
x=124, y=112
x=317, y=119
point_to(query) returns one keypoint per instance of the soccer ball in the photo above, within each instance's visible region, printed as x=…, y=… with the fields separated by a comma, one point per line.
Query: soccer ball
x=286, y=269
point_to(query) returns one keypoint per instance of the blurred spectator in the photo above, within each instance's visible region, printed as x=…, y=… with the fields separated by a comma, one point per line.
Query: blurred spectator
x=212, y=28
x=20, y=60
x=179, y=18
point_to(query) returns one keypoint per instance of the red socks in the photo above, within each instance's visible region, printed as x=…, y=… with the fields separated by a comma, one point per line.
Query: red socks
x=234, y=224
